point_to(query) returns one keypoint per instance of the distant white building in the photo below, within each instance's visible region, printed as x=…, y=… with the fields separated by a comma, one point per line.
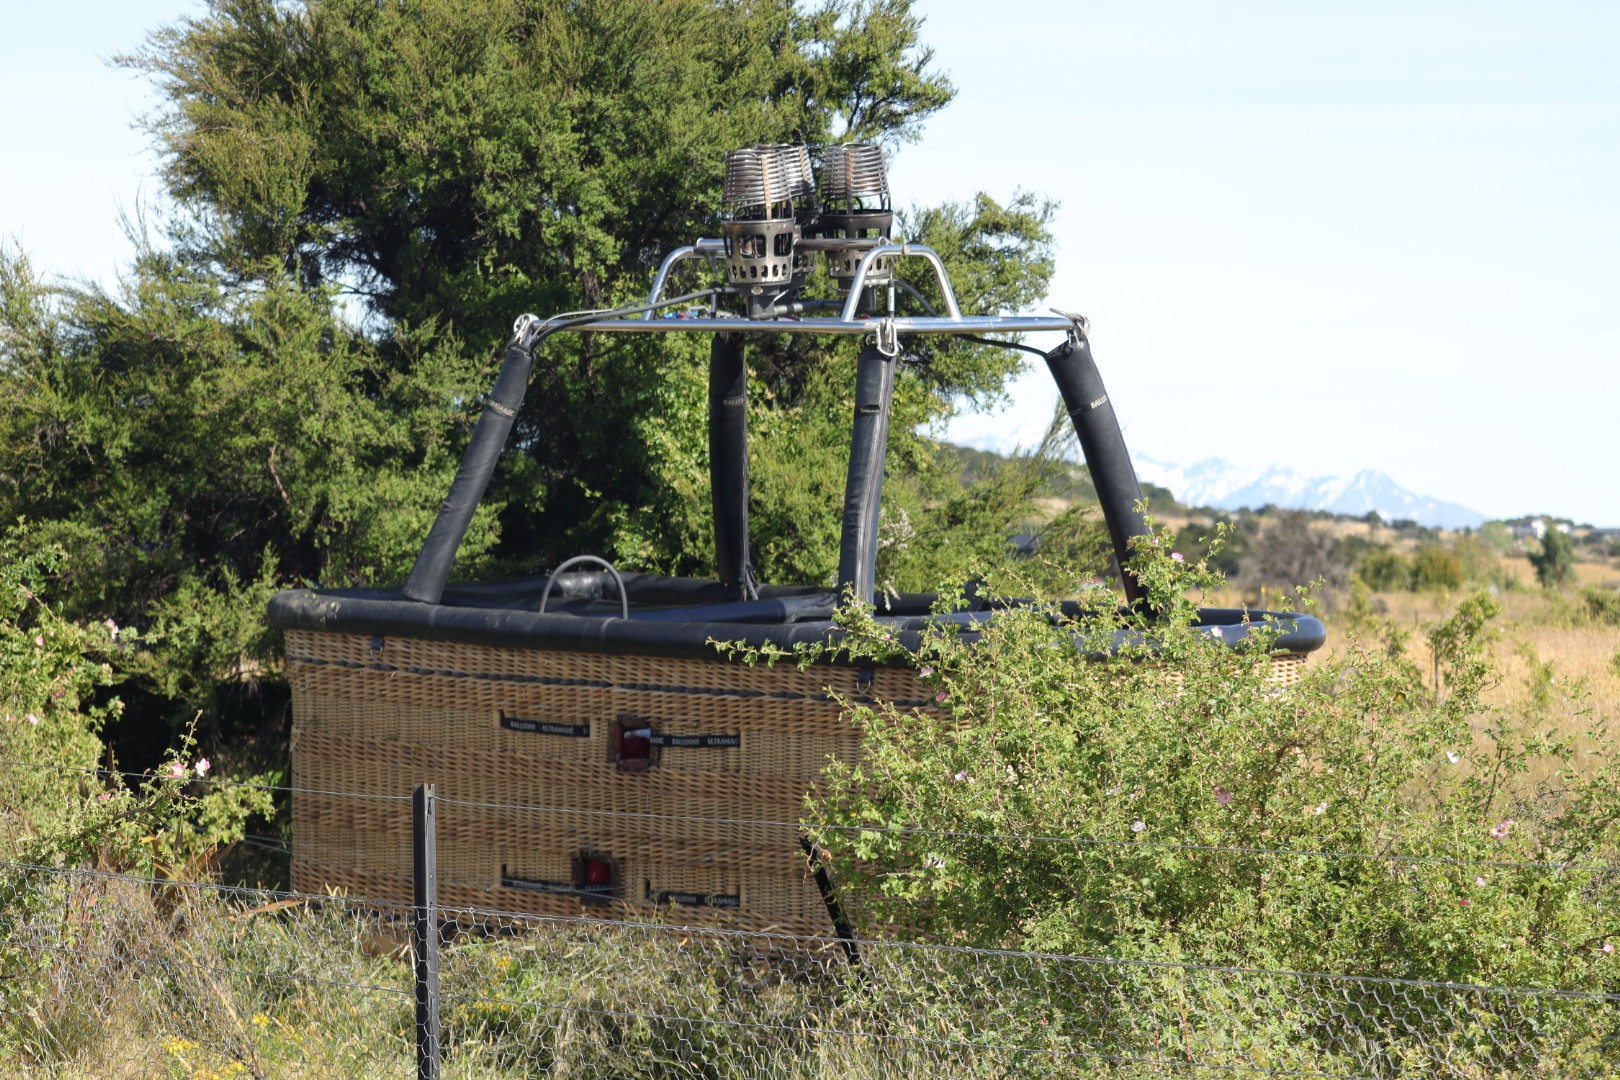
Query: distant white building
x=1534, y=529
x=1528, y=530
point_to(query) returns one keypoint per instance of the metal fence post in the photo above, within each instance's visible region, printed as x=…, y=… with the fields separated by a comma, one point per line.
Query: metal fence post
x=425, y=932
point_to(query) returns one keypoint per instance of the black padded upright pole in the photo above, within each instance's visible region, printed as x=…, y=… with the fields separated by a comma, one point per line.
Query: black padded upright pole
x=1104, y=448
x=863, y=493
x=432, y=569
x=728, y=463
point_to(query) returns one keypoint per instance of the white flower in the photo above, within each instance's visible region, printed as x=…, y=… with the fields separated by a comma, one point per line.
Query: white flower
x=1138, y=826
x=203, y=765
x=1453, y=757
x=1319, y=809
x=32, y=719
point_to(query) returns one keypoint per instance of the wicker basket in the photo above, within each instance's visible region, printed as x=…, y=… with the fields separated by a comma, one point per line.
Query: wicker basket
x=528, y=751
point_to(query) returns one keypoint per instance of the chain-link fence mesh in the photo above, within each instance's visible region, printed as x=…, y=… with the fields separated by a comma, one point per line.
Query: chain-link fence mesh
x=114, y=974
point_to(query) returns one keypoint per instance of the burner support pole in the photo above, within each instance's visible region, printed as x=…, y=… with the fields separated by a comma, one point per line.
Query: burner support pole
x=728, y=462
x=1104, y=448
x=863, y=492
x=432, y=569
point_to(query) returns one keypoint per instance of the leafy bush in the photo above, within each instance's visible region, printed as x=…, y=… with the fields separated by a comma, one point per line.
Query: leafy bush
x=51, y=672
x=1436, y=569
x=63, y=806
x=1199, y=794
x=62, y=799
x=1603, y=605
x=1383, y=570
x=1123, y=784
x=1433, y=567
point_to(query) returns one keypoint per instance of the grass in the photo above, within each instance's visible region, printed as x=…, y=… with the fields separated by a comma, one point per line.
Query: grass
x=195, y=985
x=1547, y=648
x=112, y=976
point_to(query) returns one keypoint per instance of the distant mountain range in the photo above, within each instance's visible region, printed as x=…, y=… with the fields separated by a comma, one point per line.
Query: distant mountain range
x=1221, y=485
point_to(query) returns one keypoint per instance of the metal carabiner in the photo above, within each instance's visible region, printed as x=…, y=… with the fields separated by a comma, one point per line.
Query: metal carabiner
x=1080, y=328
x=888, y=338
x=521, y=328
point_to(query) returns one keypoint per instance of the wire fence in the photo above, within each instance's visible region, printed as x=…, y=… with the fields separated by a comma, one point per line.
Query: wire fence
x=111, y=973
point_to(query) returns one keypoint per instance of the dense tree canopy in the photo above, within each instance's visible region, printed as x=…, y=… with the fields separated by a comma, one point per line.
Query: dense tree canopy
x=466, y=160
x=361, y=197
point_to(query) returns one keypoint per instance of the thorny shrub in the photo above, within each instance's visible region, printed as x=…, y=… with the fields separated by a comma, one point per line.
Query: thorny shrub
x=1124, y=783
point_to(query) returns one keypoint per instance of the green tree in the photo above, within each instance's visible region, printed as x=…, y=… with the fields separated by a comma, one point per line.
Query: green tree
x=192, y=445
x=1555, y=561
x=1290, y=553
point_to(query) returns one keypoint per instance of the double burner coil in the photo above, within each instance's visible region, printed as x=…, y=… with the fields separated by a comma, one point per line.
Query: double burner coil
x=772, y=203
x=792, y=161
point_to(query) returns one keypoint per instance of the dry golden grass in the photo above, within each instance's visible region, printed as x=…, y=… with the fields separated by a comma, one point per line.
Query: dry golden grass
x=1535, y=628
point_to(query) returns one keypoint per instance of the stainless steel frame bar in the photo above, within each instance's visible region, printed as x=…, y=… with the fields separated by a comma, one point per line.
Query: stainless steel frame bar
x=875, y=249
x=703, y=249
x=904, y=251
x=851, y=327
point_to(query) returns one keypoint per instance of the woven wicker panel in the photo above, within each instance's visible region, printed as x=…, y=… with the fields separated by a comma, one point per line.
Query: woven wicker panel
x=697, y=837
x=519, y=745
x=1288, y=670
x=778, y=736
x=393, y=767
x=347, y=706
x=528, y=876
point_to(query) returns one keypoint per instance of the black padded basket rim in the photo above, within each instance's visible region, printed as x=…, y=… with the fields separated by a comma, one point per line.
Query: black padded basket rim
x=480, y=616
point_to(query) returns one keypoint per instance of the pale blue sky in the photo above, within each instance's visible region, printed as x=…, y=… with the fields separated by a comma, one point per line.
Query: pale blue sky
x=1332, y=236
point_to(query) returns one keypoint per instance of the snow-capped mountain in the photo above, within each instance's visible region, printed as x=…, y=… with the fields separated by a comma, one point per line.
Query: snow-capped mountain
x=1224, y=486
